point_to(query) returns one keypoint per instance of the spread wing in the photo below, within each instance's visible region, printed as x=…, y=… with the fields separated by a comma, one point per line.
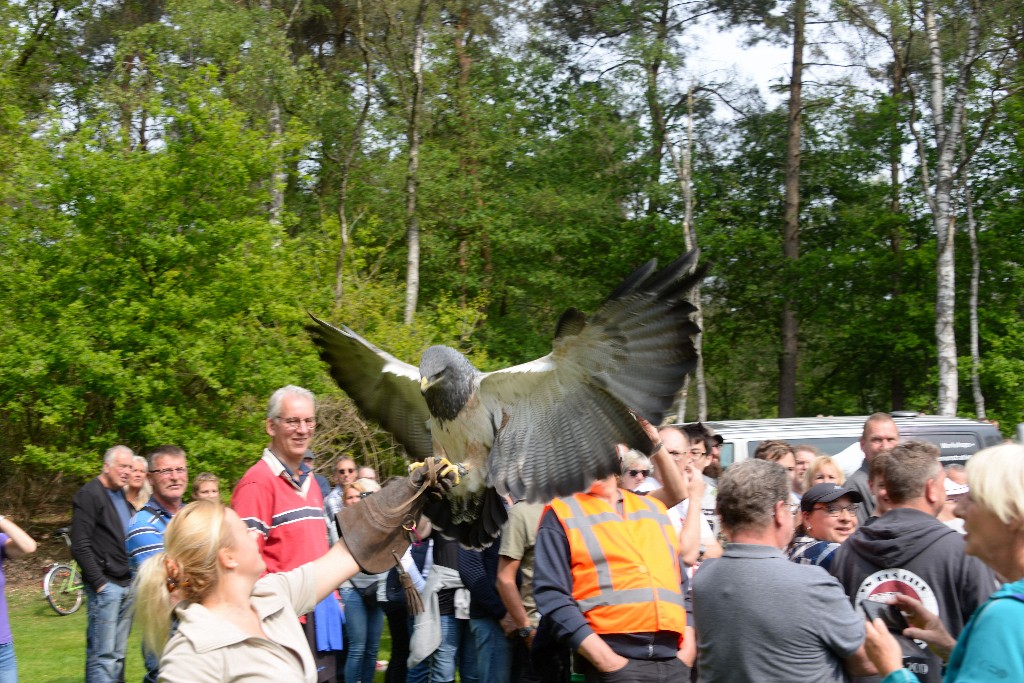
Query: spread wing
x=563, y=414
x=384, y=388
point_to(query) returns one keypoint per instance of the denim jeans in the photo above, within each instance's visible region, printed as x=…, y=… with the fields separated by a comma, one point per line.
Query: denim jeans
x=151, y=660
x=493, y=650
x=106, y=635
x=421, y=672
x=456, y=647
x=363, y=626
x=8, y=665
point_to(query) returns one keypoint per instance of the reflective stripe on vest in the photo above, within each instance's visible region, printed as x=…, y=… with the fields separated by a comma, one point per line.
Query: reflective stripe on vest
x=631, y=585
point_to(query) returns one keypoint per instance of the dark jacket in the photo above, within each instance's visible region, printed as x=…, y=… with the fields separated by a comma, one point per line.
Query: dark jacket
x=911, y=552
x=97, y=537
x=479, y=572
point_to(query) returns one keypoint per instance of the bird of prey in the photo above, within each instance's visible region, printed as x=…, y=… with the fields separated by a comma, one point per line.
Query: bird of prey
x=542, y=429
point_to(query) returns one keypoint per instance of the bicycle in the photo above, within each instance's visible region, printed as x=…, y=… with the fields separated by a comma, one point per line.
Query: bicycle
x=62, y=583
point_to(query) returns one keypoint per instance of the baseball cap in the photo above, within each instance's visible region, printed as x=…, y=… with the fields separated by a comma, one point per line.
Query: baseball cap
x=826, y=493
x=308, y=455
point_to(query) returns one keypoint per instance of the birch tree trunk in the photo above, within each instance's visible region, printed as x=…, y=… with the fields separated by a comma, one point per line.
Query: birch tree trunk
x=972, y=236
x=684, y=172
x=948, y=129
x=412, y=224
x=790, y=328
x=344, y=229
x=278, y=177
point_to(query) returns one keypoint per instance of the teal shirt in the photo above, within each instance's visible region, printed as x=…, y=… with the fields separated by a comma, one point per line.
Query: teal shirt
x=991, y=646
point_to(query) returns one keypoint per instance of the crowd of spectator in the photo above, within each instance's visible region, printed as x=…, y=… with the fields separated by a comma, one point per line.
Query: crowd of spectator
x=778, y=568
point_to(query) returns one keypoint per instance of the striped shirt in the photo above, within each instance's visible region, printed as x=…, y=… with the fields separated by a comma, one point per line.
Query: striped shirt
x=145, y=536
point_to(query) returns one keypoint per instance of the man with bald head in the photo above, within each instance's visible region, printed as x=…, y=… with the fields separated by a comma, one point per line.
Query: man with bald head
x=880, y=434
x=678, y=446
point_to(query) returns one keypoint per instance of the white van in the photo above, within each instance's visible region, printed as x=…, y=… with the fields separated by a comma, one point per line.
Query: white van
x=958, y=438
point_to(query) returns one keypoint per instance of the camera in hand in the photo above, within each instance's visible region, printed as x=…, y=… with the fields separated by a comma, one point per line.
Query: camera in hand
x=889, y=614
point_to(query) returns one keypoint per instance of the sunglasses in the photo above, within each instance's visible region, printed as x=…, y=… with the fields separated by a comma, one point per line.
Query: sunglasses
x=637, y=473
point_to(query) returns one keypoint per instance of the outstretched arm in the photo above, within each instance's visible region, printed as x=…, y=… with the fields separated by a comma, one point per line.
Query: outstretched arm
x=332, y=568
x=19, y=543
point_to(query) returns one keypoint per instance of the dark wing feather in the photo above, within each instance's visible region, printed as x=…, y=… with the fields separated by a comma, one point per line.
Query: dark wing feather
x=565, y=412
x=384, y=388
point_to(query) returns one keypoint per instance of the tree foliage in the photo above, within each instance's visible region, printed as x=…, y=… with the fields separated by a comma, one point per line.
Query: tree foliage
x=181, y=181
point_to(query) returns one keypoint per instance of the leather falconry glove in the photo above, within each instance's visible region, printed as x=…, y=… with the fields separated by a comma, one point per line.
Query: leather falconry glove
x=379, y=529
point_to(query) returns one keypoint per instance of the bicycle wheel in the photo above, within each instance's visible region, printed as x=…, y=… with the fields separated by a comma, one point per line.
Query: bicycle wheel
x=63, y=595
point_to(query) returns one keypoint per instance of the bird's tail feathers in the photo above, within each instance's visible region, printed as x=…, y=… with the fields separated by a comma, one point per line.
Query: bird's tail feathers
x=474, y=520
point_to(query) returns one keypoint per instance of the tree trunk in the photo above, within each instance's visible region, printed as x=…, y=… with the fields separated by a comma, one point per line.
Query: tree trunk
x=277, y=176
x=652, y=93
x=972, y=236
x=346, y=163
x=948, y=132
x=679, y=409
x=791, y=224
x=412, y=225
x=897, y=384
x=684, y=171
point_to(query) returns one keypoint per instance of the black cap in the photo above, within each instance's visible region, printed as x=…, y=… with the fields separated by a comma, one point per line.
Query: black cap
x=826, y=493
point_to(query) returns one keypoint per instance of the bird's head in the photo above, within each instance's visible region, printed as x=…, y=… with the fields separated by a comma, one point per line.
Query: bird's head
x=446, y=381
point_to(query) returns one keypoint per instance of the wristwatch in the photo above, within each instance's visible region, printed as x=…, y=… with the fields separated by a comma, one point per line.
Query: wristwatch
x=524, y=631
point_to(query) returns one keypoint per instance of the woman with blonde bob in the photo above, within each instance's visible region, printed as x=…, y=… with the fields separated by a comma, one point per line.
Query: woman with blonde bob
x=234, y=625
x=823, y=470
x=991, y=646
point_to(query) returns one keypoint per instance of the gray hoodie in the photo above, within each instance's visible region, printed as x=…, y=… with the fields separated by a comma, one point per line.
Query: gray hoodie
x=911, y=552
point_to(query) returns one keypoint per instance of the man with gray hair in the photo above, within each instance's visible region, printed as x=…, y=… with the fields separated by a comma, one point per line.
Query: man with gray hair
x=168, y=476
x=280, y=501
x=760, y=617
x=908, y=551
x=99, y=522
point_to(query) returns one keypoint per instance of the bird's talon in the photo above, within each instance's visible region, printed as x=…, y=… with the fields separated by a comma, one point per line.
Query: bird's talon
x=446, y=467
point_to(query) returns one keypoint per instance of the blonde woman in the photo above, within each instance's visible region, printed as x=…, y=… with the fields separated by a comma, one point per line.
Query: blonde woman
x=234, y=625
x=823, y=470
x=636, y=467
x=991, y=645
x=138, y=489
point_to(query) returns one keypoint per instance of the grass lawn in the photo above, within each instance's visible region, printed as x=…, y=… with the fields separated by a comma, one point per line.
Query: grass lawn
x=51, y=648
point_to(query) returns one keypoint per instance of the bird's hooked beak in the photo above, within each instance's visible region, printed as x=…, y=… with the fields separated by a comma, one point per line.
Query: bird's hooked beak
x=425, y=384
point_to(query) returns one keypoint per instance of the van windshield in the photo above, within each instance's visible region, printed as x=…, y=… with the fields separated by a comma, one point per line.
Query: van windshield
x=828, y=445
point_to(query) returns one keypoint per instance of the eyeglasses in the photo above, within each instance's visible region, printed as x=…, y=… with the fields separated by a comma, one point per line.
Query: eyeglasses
x=293, y=423
x=834, y=510
x=793, y=508
x=639, y=473
x=168, y=471
x=677, y=455
x=697, y=453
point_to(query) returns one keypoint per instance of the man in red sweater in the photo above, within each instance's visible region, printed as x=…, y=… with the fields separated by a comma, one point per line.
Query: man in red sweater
x=279, y=500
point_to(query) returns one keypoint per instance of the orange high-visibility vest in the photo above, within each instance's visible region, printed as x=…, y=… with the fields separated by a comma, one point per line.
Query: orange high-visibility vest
x=625, y=571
